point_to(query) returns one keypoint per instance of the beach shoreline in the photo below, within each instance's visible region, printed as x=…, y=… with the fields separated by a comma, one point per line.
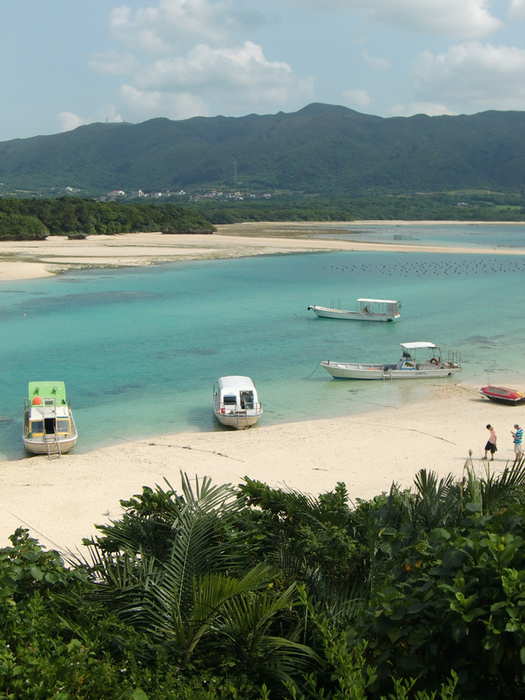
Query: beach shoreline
x=20, y=260
x=61, y=500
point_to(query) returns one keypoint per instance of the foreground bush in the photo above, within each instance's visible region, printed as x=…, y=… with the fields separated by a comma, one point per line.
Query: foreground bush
x=253, y=592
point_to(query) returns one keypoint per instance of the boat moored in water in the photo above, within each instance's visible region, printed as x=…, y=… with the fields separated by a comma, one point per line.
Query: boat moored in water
x=366, y=310
x=235, y=402
x=49, y=427
x=410, y=366
x=501, y=394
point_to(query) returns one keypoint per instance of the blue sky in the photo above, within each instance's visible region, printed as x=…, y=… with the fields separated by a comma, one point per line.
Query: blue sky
x=65, y=62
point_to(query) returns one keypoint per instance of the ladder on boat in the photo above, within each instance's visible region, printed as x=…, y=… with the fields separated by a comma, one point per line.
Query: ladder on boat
x=242, y=418
x=51, y=439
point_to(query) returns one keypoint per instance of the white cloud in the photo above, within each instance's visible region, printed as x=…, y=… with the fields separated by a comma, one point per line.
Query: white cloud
x=70, y=121
x=143, y=105
x=432, y=109
x=465, y=19
x=517, y=9
x=469, y=19
x=356, y=99
x=112, y=63
x=232, y=77
x=472, y=76
x=173, y=23
x=377, y=63
x=200, y=65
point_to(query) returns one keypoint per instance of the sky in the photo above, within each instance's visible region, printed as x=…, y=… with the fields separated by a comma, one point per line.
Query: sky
x=65, y=63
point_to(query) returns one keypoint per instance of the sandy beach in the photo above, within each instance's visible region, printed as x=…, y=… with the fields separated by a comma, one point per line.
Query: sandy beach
x=32, y=259
x=60, y=500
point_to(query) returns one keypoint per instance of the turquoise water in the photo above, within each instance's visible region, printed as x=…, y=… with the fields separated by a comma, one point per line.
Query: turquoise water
x=140, y=348
x=455, y=235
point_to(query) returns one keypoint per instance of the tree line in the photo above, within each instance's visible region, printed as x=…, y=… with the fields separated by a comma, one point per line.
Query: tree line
x=436, y=207
x=255, y=593
x=34, y=219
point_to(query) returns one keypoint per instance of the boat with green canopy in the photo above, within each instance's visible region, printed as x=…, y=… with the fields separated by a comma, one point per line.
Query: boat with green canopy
x=49, y=427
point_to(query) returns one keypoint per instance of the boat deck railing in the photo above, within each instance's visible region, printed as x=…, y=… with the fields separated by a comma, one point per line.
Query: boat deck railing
x=254, y=408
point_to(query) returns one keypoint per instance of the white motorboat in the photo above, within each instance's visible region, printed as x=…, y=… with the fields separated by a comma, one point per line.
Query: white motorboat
x=366, y=310
x=410, y=366
x=49, y=427
x=235, y=402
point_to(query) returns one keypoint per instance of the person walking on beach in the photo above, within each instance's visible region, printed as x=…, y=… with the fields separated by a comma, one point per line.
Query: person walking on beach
x=517, y=434
x=491, y=443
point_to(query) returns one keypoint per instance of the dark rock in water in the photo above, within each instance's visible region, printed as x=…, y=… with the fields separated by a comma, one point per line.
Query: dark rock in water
x=77, y=236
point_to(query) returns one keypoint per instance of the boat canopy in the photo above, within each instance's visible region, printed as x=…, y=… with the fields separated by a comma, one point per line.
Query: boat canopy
x=379, y=301
x=416, y=346
x=235, y=383
x=47, y=390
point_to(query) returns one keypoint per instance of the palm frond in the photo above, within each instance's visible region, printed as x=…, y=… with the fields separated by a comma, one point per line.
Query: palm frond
x=501, y=490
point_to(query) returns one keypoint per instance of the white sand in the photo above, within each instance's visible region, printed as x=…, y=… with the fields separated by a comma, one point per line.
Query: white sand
x=60, y=500
x=26, y=259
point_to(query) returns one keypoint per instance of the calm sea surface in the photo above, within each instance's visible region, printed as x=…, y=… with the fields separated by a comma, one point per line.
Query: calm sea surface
x=455, y=235
x=140, y=348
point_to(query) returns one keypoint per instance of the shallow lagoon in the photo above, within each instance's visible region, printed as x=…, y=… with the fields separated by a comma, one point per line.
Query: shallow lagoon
x=450, y=235
x=140, y=348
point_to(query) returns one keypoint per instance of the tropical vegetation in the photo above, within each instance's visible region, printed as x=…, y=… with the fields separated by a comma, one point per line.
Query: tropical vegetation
x=256, y=593
x=36, y=219
x=446, y=206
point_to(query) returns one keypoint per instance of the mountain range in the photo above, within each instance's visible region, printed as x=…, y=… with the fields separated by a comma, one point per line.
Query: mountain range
x=319, y=149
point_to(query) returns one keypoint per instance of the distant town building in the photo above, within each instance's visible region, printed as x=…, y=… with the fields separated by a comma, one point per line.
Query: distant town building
x=136, y=194
x=116, y=194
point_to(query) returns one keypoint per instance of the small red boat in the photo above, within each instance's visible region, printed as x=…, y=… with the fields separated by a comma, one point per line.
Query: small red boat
x=502, y=395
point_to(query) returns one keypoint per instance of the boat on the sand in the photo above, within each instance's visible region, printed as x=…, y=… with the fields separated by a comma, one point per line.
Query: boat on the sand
x=49, y=427
x=501, y=394
x=235, y=402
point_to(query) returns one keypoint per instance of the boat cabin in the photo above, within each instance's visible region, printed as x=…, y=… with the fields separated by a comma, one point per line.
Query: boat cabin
x=235, y=393
x=388, y=307
x=47, y=411
x=411, y=357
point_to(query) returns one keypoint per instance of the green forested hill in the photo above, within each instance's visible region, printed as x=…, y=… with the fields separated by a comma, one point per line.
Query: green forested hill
x=319, y=149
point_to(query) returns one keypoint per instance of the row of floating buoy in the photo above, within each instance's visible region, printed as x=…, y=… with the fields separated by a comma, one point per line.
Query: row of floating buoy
x=434, y=268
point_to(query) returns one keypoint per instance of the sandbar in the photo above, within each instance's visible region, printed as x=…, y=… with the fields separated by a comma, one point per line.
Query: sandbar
x=56, y=254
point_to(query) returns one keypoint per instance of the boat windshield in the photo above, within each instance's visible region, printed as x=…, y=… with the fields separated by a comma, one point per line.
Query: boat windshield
x=63, y=425
x=37, y=426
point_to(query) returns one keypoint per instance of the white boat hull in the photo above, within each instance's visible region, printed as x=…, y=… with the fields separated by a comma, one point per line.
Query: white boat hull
x=239, y=421
x=39, y=446
x=325, y=312
x=349, y=370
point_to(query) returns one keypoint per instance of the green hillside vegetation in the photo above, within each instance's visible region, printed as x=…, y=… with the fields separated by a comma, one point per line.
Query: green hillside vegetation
x=320, y=149
x=436, y=207
x=254, y=593
x=33, y=219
